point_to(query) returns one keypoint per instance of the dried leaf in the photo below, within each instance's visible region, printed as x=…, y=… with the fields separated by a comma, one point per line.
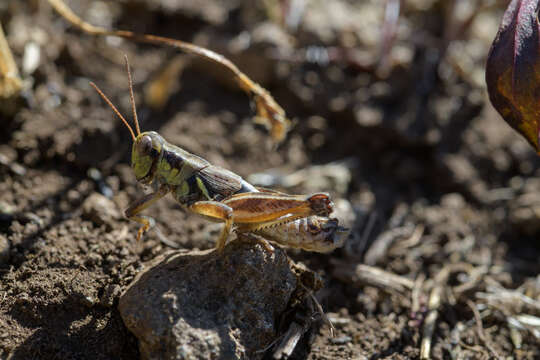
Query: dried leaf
x=513, y=69
x=10, y=82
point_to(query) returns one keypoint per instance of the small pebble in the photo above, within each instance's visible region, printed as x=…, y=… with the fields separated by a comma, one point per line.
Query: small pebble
x=339, y=321
x=4, y=250
x=341, y=340
x=88, y=301
x=100, y=209
x=33, y=218
x=110, y=295
x=103, y=187
x=31, y=58
x=7, y=212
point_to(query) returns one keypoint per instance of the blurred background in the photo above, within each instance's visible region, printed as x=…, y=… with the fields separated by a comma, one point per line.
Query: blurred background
x=391, y=118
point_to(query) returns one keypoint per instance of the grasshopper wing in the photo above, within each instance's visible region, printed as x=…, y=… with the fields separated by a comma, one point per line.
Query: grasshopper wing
x=220, y=182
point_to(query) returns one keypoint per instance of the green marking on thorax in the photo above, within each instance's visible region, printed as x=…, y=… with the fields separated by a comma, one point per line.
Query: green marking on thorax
x=182, y=190
x=203, y=188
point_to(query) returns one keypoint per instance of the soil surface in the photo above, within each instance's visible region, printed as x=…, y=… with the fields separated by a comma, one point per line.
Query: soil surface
x=445, y=194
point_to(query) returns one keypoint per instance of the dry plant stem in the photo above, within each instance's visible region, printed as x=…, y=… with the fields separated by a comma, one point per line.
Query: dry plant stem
x=431, y=320
x=416, y=293
x=269, y=112
x=290, y=339
x=433, y=310
x=412, y=241
x=480, y=329
x=372, y=276
x=525, y=322
x=475, y=278
x=319, y=308
x=379, y=248
x=359, y=249
x=511, y=300
x=519, y=310
x=435, y=298
x=10, y=81
x=515, y=335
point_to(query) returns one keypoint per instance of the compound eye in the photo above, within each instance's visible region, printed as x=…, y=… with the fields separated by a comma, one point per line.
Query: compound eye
x=144, y=146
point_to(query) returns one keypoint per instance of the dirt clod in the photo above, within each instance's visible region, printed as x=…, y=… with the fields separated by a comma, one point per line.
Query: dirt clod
x=196, y=305
x=100, y=210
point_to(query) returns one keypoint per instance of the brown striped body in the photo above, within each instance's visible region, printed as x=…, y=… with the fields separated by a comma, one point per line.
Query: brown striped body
x=313, y=233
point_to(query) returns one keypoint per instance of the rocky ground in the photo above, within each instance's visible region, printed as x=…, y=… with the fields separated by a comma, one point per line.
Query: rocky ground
x=391, y=115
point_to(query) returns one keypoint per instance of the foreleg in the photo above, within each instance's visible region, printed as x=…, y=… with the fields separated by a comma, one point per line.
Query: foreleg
x=139, y=205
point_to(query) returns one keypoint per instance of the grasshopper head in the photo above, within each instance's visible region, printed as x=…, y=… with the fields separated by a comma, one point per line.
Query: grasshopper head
x=145, y=155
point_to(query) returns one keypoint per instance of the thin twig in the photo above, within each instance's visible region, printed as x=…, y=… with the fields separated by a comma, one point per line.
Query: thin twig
x=475, y=277
x=509, y=298
x=379, y=248
x=325, y=318
x=367, y=231
x=372, y=276
x=434, y=303
x=416, y=292
x=412, y=241
x=431, y=320
x=290, y=339
x=269, y=112
x=480, y=329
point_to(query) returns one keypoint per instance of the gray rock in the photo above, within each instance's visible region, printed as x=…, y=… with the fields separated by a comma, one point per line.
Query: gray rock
x=202, y=305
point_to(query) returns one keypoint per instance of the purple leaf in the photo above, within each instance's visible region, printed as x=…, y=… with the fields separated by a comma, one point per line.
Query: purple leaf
x=513, y=69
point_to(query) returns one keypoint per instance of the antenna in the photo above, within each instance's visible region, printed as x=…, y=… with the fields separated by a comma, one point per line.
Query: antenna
x=132, y=98
x=114, y=109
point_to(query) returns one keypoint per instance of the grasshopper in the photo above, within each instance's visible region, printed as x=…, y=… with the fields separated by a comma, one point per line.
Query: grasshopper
x=220, y=195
